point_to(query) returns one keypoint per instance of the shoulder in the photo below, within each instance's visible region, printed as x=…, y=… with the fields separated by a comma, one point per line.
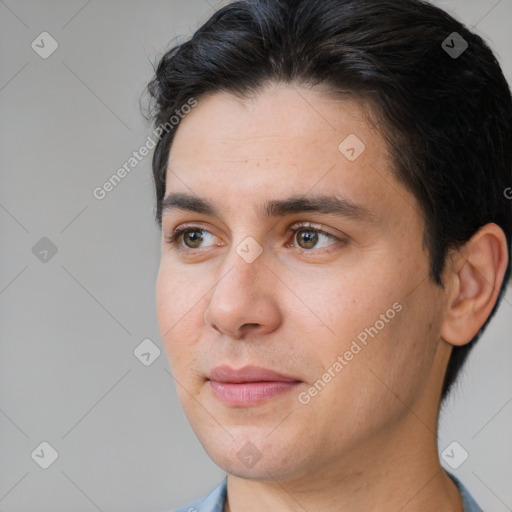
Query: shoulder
x=470, y=505
x=212, y=502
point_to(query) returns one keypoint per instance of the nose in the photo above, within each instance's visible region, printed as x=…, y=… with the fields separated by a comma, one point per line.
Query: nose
x=244, y=301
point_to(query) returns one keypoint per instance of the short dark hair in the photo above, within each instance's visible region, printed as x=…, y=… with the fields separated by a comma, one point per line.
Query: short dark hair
x=447, y=118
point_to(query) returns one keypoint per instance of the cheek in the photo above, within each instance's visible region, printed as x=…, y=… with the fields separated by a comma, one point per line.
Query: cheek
x=399, y=358
x=374, y=315
x=166, y=303
x=178, y=295
x=349, y=303
x=175, y=304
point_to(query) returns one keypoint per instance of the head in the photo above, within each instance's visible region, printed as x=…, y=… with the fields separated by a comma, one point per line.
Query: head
x=395, y=157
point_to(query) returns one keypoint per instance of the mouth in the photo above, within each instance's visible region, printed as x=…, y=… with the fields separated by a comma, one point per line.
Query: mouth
x=249, y=386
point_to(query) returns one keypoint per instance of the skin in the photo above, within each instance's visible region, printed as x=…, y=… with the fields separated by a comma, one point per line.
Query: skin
x=367, y=441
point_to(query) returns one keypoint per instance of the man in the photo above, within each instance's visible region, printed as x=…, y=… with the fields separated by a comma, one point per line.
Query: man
x=335, y=235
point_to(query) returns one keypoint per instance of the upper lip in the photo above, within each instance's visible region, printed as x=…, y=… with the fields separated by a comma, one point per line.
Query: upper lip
x=248, y=374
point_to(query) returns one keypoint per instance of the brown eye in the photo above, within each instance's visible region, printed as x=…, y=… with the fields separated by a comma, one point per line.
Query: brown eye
x=192, y=239
x=309, y=238
x=306, y=238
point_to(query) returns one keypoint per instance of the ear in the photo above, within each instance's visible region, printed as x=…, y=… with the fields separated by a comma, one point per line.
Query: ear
x=473, y=280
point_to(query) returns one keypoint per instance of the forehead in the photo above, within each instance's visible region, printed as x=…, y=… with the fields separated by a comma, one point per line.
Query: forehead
x=280, y=119
x=279, y=142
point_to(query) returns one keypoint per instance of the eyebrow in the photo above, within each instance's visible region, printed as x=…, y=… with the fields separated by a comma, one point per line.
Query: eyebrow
x=326, y=204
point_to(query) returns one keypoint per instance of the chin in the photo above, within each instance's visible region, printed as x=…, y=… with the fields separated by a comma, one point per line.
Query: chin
x=254, y=457
x=263, y=470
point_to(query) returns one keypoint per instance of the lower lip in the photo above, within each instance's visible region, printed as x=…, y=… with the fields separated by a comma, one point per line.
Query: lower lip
x=249, y=393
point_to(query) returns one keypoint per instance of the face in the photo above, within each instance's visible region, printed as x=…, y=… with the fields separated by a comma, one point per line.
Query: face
x=304, y=257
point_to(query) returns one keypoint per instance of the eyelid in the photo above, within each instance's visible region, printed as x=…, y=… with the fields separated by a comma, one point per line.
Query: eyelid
x=187, y=225
x=315, y=227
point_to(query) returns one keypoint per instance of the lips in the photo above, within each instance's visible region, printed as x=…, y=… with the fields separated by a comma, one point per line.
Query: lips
x=248, y=386
x=248, y=374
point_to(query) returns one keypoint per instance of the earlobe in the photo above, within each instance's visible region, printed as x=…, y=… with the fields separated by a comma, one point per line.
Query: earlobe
x=475, y=275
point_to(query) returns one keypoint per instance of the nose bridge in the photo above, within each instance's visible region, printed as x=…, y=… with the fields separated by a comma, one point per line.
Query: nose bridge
x=242, y=269
x=240, y=297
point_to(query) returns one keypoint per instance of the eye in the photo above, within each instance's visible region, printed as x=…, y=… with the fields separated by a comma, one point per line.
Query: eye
x=192, y=238
x=308, y=237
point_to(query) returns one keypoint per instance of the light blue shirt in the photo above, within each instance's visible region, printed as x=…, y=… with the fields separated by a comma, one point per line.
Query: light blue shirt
x=214, y=502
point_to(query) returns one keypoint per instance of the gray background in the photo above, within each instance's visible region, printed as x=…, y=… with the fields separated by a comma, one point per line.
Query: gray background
x=69, y=326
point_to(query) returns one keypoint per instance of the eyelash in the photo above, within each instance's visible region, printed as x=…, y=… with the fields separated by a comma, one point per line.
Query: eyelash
x=173, y=240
